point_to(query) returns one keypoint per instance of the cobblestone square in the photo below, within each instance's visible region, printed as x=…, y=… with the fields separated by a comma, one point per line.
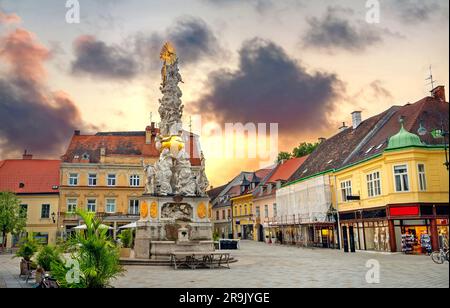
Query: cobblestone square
x=265, y=266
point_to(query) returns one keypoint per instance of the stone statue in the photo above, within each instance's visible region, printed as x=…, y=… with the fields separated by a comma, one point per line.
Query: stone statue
x=150, y=178
x=185, y=184
x=202, y=181
x=164, y=173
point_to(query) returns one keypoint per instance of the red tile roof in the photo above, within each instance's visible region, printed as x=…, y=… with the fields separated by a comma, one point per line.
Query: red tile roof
x=37, y=176
x=285, y=170
x=117, y=143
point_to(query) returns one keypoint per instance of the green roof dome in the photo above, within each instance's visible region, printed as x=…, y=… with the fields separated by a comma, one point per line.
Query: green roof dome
x=403, y=139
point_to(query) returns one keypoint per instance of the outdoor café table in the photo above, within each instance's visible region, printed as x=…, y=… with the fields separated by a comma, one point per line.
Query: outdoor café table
x=194, y=259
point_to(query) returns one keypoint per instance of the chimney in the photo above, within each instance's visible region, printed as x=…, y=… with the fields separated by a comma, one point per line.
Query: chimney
x=77, y=133
x=356, y=119
x=102, y=155
x=343, y=127
x=439, y=93
x=149, y=132
x=322, y=140
x=27, y=156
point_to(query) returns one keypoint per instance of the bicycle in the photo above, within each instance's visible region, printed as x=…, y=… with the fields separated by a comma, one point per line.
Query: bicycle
x=439, y=257
x=48, y=283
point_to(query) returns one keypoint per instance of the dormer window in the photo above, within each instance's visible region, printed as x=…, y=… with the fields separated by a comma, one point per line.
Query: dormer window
x=21, y=185
x=85, y=156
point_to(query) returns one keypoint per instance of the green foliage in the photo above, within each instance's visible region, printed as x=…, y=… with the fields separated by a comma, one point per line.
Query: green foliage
x=283, y=156
x=96, y=254
x=216, y=236
x=11, y=218
x=304, y=149
x=48, y=255
x=28, y=247
x=126, y=237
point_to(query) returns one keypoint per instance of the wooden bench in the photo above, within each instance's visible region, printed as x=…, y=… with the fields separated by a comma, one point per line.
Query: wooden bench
x=197, y=259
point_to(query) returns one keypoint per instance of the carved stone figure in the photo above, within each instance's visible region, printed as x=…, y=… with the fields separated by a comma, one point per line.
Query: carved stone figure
x=164, y=174
x=150, y=178
x=177, y=211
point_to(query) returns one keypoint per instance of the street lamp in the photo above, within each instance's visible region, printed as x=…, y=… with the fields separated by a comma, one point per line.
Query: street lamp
x=53, y=217
x=437, y=134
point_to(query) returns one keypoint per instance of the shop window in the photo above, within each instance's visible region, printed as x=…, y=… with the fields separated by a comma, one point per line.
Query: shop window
x=346, y=190
x=426, y=210
x=442, y=210
x=422, y=178
x=401, y=178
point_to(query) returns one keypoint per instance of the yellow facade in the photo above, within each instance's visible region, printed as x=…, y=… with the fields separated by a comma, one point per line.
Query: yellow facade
x=436, y=179
x=44, y=228
x=112, y=198
x=243, y=218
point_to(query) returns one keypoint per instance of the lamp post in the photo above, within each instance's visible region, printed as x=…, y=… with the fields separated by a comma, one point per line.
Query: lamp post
x=53, y=217
x=437, y=134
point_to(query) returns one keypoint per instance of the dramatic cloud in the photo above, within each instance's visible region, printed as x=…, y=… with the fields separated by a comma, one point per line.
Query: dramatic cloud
x=260, y=5
x=335, y=30
x=416, y=11
x=98, y=59
x=31, y=116
x=270, y=87
x=94, y=57
x=9, y=18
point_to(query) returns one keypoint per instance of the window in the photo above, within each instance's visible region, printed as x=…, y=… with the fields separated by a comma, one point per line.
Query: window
x=266, y=210
x=217, y=215
x=240, y=210
x=71, y=205
x=45, y=211
x=92, y=179
x=258, y=211
x=92, y=205
x=24, y=210
x=73, y=179
x=223, y=214
x=374, y=184
x=422, y=178
x=133, y=207
x=135, y=180
x=229, y=213
x=401, y=178
x=246, y=210
x=346, y=190
x=275, y=210
x=111, y=180
x=110, y=205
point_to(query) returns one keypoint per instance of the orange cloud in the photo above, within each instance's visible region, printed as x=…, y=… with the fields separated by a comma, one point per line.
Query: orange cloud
x=25, y=55
x=9, y=18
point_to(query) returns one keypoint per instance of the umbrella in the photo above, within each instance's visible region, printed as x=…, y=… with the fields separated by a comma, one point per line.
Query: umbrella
x=133, y=225
x=84, y=227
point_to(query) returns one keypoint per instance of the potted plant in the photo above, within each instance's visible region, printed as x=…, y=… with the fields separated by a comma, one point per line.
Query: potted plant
x=126, y=239
x=26, y=251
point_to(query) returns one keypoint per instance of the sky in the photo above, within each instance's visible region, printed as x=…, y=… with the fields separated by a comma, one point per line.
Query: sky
x=304, y=65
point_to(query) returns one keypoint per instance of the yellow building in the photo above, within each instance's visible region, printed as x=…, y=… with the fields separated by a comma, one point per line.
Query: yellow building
x=103, y=173
x=244, y=219
x=36, y=183
x=394, y=197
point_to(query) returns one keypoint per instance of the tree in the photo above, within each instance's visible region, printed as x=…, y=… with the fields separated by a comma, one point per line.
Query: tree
x=11, y=218
x=283, y=156
x=304, y=149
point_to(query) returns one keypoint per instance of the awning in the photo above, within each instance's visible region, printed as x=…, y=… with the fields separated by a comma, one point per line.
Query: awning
x=84, y=227
x=133, y=225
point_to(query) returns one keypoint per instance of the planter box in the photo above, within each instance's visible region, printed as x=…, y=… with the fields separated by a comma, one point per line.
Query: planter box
x=125, y=253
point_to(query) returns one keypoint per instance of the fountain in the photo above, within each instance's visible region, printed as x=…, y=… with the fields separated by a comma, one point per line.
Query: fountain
x=174, y=207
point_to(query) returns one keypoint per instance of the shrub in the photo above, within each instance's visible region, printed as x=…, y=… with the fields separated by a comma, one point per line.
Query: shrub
x=28, y=247
x=95, y=254
x=48, y=255
x=126, y=237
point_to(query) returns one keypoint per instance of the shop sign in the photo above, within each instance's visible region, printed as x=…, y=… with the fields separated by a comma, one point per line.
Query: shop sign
x=404, y=211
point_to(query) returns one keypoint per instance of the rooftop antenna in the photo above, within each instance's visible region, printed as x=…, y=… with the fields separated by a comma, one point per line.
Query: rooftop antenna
x=190, y=125
x=430, y=78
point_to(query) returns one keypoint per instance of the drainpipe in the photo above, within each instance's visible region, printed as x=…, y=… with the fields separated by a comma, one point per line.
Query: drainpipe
x=336, y=194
